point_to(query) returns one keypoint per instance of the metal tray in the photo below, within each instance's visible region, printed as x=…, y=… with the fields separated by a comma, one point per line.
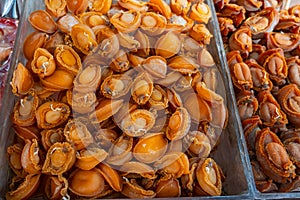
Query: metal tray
x=230, y=154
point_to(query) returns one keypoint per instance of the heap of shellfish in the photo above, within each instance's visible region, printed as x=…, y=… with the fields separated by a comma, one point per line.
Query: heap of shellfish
x=117, y=100
x=263, y=53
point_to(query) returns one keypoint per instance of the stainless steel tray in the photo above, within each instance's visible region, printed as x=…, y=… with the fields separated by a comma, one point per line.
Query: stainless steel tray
x=230, y=154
